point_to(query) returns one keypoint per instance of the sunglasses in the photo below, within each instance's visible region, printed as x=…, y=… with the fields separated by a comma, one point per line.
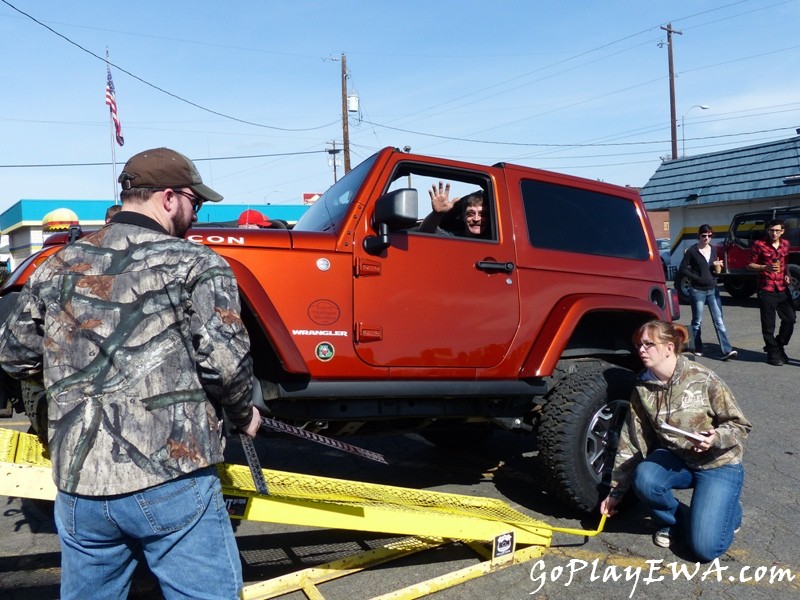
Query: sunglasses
x=706, y=235
x=197, y=201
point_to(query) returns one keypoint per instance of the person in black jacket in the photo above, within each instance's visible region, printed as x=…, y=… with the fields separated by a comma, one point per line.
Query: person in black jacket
x=697, y=267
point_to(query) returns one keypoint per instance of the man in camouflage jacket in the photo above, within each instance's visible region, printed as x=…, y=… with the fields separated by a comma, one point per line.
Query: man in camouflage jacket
x=137, y=336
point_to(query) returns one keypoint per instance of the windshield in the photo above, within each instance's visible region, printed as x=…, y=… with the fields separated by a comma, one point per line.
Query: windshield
x=327, y=212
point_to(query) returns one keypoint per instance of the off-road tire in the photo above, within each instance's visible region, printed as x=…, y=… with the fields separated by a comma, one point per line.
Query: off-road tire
x=741, y=288
x=683, y=287
x=578, y=432
x=794, y=286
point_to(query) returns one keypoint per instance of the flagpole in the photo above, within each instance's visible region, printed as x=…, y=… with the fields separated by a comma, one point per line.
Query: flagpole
x=113, y=161
x=113, y=138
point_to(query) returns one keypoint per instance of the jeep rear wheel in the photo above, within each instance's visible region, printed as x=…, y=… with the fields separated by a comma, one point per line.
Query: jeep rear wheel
x=740, y=287
x=579, y=432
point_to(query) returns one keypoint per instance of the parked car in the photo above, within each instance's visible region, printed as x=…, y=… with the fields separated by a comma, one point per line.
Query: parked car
x=665, y=250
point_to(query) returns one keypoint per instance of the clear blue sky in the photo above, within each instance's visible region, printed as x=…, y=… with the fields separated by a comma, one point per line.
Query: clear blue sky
x=580, y=87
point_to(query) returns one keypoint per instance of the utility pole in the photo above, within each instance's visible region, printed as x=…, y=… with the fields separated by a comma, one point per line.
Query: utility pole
x=345, y=125
x=333, y=151
x=673, y=119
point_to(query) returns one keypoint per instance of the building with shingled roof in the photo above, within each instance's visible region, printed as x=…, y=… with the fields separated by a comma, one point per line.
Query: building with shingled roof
x=711, y=188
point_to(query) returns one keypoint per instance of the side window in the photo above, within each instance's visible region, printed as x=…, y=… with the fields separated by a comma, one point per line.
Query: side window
x=473, y=212
x=575, y=220
x=791, y=225
x=748, y=230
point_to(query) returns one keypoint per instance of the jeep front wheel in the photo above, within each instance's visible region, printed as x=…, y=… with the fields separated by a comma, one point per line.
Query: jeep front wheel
x=579, y=432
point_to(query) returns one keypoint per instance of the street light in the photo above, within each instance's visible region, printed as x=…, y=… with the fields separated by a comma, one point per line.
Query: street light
x=683, y=130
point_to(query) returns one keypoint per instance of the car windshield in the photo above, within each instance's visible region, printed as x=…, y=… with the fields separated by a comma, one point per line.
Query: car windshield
x=327, y=212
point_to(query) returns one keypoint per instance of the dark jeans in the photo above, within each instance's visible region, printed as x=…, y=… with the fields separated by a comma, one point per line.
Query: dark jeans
x=771, y=303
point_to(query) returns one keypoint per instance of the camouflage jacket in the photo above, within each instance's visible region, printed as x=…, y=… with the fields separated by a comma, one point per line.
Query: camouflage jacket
x=695, y=399
x=138, y=338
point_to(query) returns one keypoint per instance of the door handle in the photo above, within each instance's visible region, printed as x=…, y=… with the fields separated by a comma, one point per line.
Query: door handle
x=492, y=266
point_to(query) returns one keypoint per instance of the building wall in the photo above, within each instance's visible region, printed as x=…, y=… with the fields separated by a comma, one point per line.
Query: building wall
x=659, y=219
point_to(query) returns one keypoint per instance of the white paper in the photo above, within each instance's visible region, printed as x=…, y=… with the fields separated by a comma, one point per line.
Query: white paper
x=687, y=434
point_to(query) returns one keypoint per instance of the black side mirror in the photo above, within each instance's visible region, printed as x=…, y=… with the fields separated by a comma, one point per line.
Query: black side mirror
x=393, y=211
x=375, y=244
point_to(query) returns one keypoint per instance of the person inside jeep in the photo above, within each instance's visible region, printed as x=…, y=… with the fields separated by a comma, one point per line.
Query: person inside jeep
x=462, y=217
x=252, y=219
x=112, y=210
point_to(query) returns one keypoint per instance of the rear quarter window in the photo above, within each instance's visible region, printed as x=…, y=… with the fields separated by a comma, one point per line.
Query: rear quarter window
x=791, y=225
x=575, y=220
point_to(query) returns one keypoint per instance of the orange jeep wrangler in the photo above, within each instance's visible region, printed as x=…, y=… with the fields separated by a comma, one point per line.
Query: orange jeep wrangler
x=361, y=323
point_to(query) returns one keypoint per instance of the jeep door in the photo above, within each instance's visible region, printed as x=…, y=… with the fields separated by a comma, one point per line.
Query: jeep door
x=438, y=299
x=744, y=230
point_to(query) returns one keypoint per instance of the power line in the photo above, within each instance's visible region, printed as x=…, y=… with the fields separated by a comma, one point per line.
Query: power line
x=155, y=87
x=105, y=164
x=575, y=145
x=531, y=144
x=559, y=63
x=496, y=87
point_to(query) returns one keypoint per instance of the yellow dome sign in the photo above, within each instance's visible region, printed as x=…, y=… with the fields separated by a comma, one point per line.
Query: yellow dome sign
x=59, y=219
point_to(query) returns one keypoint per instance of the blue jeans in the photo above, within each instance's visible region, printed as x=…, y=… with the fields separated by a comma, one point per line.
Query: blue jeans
x=181, y=528
x=715, y=510
x=711, y=297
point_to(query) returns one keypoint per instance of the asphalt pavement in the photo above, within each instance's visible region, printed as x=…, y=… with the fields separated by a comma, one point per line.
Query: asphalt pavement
x=621, y=562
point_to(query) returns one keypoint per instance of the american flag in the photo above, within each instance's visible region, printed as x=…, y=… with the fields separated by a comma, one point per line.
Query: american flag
x=111, y=100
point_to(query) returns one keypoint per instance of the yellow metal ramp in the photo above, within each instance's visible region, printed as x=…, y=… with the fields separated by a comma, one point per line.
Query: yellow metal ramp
x=343, y=504
x=431, y=518
x=24, y=467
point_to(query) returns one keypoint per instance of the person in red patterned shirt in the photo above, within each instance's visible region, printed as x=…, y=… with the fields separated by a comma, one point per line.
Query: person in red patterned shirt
x=769, y=258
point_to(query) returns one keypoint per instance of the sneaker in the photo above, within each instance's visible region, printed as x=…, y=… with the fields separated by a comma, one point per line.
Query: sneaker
x=784, y=358
x=729, y=355
x=775, y=361
x=662, y=537
x=698, y=353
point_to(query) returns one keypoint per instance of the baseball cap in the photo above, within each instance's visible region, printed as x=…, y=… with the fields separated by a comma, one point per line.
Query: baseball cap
x=164, y=168
x=253, y=217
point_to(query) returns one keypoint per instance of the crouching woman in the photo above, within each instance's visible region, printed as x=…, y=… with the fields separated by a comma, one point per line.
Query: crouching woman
x=655, y=461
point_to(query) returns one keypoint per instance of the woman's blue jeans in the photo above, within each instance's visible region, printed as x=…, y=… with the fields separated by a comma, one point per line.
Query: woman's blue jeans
x=711, y=297
x=715, y=510
x=181, y=528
